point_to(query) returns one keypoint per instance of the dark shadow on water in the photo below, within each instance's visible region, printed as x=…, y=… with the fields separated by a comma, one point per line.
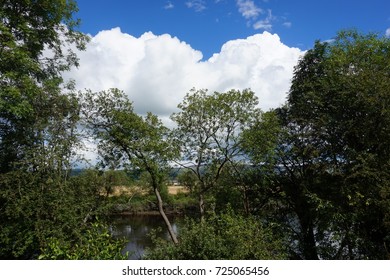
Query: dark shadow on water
x=137, y=228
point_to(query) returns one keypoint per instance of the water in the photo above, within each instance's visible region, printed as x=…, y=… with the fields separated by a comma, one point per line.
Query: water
x=136, y=229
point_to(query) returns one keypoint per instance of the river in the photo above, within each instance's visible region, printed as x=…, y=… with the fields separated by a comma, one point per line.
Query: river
x=136, y=229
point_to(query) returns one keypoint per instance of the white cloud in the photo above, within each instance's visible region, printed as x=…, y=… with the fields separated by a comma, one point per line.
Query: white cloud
x=169, y=5
x=248, y=9
x=265, y=24
x=388, y=32
x=157, y=71
x=197, y=5
x=262, y=24
x=251, y=12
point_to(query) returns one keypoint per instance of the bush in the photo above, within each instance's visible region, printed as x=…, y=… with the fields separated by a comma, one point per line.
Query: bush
x=96, y=243
x=224, y=236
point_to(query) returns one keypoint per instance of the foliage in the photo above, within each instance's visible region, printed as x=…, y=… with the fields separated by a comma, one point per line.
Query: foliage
x=187, y=179
x=224, y=236
x=39, y=118
x=124, y=135
x=335, y=152
x=208, y=129
x=145, y=181
x=128, y=138
x=251, y=182
x=45, y=209
x=317, y=186
x=95, y=243
x=260, y=138
x=114, y=178
x=33, y=37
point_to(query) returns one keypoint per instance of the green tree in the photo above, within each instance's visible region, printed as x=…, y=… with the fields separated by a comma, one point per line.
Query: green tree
x=33, y=54
x=39, y=115
x=336, y=154
x=187, y=179
x=114, y=178
x=139, y=141
x=258, y=181
x=208, y=132
x=40, y=210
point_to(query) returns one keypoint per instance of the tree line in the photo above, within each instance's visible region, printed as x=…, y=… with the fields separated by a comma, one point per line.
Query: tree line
x=307, y=180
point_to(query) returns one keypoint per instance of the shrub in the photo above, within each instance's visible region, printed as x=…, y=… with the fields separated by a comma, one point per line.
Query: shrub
x=96, y=243
x=224, y=236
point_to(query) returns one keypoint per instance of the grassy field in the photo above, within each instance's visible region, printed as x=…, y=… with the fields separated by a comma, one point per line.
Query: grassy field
x=137, y=200
x=129, y=191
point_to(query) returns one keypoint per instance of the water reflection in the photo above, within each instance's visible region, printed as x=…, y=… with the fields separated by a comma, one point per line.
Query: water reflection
x=136, y=230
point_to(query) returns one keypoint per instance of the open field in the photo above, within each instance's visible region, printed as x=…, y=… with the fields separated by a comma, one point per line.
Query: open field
x=129, y=191
x=177, y=189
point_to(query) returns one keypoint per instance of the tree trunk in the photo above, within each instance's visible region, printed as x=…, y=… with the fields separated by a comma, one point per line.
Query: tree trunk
x=308, y=241
x=201, y=207
x=245, y=201
x=164, y=216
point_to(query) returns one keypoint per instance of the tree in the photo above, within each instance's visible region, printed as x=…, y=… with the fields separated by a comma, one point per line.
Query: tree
x=38, y=121
x=187, y=179
x=337, y=151
x=114, y=178
x=33, y=37
x=139, y=141
x=259, y=141
x=42, y=211
x=208, y=129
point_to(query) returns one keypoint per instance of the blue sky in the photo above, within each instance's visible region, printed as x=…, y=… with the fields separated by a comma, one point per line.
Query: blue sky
x=207, y=24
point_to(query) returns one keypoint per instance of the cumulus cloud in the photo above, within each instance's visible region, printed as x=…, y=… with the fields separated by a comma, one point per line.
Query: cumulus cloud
x=157, y=71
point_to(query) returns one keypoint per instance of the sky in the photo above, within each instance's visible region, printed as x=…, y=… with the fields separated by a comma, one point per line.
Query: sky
x=157, y=50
